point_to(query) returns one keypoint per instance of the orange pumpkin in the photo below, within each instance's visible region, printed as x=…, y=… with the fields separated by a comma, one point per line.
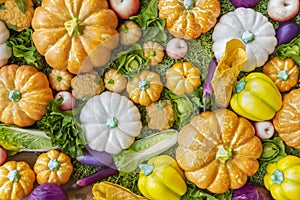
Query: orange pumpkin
x=24, y=95
x=188, y=19
x=218, y=150
x=284, y=73
x=75, y=35
x=287, y=119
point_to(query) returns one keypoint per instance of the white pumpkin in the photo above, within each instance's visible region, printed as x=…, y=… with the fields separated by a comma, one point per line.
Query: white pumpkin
x=253, y=28
x=111, y=122
x=5, y=51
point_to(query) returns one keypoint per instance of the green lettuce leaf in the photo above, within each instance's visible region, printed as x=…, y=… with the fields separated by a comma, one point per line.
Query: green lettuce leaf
x=290, y=50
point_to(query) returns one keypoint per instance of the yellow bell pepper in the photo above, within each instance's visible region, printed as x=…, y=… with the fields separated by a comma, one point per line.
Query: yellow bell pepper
x=282, y=178
x=256, y=97
x=161, y=179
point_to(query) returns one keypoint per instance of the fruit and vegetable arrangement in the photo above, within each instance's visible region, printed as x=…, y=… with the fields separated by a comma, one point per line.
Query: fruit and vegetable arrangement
x=150, y=99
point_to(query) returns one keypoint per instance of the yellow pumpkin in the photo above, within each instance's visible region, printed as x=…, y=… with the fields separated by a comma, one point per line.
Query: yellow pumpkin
x=53, y=167
x=183, y=78
x=188, y=19
x=24, y=95
x=75, y=35
x=145, y=88
x=218, y=150
x=16, y=180
x=287, y=119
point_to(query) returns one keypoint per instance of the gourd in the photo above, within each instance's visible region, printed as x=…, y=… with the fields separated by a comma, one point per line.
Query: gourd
x=284, y=73
x=111, y=122
x=53, y=167
x=145, y=88
x=287, y=122
x=218, y=150
x=154, y=52
x=16, y=180
x=253, y=28
x=5, y=51
x=114, y=81
x=60, y=80
x=188, y=19
x=130, y=33
x=183, y=78
x=24, y=95
x=75, y=35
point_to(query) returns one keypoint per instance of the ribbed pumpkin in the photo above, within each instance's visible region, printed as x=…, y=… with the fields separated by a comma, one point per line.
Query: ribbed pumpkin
x=24, y=95
x=287, y=119
x=188, y=19
x=75, y=35
x=218, y=150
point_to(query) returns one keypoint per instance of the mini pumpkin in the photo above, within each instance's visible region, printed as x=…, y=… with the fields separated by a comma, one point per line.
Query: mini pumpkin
x=218, y=150
x=154, y=52
x=145, y=88
x=114, y=81
x=130, y=33
x=16, y=180
x=24, y=95
x=183, y=78
x=75, y=35
x=53, y=167
x=284, y=73
x=60, y=80
x=5, y=51
x=287, y=121
x=111, y=122
x=188, y=19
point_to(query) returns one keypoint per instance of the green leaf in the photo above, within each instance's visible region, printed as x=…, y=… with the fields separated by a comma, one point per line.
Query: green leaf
x=2, y=6
x=22, y=5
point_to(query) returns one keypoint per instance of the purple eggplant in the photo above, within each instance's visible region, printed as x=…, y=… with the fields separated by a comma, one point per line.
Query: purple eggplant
x=244, y=3
x=286, y=32
x=95, y=158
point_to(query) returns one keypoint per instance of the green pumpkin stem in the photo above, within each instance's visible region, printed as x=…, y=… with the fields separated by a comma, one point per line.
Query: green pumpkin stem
x=224, y=153
x=240, y=85
x=74, y=27
x=148, y=168
x=277, y=177
x=283, y=75
x=15, y=95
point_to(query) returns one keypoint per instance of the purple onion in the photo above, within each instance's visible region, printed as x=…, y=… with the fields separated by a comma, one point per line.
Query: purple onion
x=286, y=32
x=251, y=192
x=244, y=3
x=48, y=191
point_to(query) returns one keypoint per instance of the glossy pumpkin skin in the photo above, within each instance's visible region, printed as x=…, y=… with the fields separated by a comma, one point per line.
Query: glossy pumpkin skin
x=282, y=178
x=60, y=80
x=24, y=95
x=114, y=82
x=53, y=167
x=145, y=88
x=287, y=121
x=188, y=19
x=130, y=33
x=183, y=78
x=256, y=97
x=154, y=52
x=284, y=73
x=218, y=150
x=75, y=35
x=16, y=180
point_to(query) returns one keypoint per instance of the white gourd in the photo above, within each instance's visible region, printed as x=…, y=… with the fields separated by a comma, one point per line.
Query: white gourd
x=5, y=51
x=111, y=122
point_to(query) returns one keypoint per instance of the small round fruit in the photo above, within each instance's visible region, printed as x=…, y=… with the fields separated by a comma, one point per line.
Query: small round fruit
x=3, y=156
x=68, y=100
x=177, y=48
x=264, y=129
x=283, y=10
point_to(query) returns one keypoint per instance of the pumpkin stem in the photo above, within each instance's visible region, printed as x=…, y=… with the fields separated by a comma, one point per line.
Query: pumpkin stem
x=152, y=53
x=13, y=175
x=247, y=37
x=277, y=177
x=74, y=27
x=144, y=84
x=189, y=4
x=240, y=86
x=112, y=122
x=148, y=168
x=124, y=28
x=224, y=153
x=53, y=164
x=283, y=75
x=15, y=95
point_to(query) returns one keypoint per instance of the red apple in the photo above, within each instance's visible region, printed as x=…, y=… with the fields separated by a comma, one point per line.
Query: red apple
x=3, y=156
x=68, y=100
x=176, y=48
x=264, y=129
x=282, y=10
x=125, y=8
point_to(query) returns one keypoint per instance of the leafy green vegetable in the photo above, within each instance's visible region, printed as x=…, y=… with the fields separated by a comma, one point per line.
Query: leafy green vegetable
x=132, y=61
x=258, y=177
x=22, y=5
x=273, y=151
x=143, y=149
x=290, y=50
x=2, y=6
x=82, y=170
x=63, y=129
x=153, y=27
x=15, y=139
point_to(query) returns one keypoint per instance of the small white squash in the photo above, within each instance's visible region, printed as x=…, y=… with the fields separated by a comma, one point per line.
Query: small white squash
x=111, y=122
x=5, y=51
x=253, y=28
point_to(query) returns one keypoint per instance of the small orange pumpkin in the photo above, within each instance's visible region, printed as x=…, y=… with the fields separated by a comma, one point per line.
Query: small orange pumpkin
x=284, y=73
